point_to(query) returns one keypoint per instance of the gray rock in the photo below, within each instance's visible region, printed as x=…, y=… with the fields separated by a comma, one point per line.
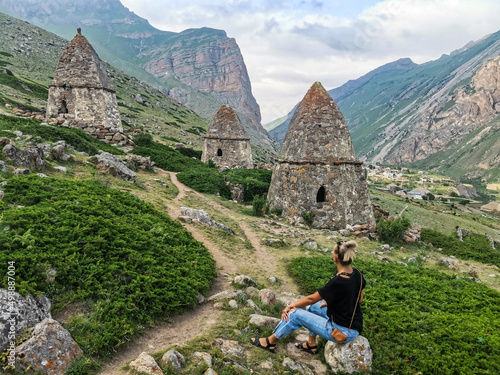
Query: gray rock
x=192, y=215
x=266, y=365
x=146, y=364
x=206, y=357
x=42, y=175
x=296, y=366
x=267, y=297
x=263, y=321
x=226, y=294
x=345, y=232
x=448, y=262
x=272, y=279
x=252, y=305
x=230, y=347
x=201, y=299
x=252, y=291
x=174, y=358
x=60, y=168
x=31, y=158
x=311, y=245
x=110, y=163
x=353, y=356
x=50, y=349
x=233, y=304
x=27, y=311
x=18, y=133
x=57, y=152
x=246, y=280
x=20, y=171
x=3, y=166
x=385, y=247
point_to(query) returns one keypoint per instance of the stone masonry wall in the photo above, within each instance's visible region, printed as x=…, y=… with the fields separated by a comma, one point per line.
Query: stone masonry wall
x=294, y=188
x=235, y=152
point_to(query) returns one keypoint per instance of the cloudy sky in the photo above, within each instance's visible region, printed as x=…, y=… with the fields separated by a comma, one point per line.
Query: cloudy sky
x=289, y=44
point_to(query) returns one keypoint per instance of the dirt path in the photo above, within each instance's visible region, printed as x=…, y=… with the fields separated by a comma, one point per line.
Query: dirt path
x=193, y=323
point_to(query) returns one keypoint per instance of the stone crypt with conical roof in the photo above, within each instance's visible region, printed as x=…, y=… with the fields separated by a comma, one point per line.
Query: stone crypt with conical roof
x=317, y=172
x=226, y=142
x=81, y=95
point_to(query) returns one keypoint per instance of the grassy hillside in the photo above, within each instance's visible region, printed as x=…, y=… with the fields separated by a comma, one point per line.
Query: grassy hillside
x=26, y=72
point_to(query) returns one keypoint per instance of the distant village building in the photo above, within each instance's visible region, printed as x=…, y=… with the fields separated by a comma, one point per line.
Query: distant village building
x=226, y=142
x=81, y=95
x=317, y=174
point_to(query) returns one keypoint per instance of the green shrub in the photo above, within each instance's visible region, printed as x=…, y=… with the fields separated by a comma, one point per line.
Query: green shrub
x=256, y=181
x=189, y=152
x=475, y=247
x=308, y=217
x=112, y=252
x=144, y=140
x=418, y=320
x=391, y=230
x=205, y=180
x=258, y=205
x=168, y=158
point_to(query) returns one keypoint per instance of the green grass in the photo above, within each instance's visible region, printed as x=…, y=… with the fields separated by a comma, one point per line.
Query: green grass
x=116, y=257
x=420, y=321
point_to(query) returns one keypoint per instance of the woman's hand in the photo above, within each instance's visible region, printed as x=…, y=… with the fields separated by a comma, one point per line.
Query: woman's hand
x=286, y=311
x=323, y=304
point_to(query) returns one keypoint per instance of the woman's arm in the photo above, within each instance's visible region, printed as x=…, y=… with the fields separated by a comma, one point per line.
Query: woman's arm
x=306, y=301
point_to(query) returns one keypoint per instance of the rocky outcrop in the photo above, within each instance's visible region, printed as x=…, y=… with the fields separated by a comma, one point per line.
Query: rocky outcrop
x=24, y=313
x=31, y=157
x=208, y=62
x=110, y=163
x=200, y=216
x=145, y=364
x=354, y=356
x=50, y=349
x=446, y=123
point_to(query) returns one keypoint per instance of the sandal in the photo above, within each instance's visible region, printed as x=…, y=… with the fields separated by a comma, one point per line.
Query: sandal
x=308, y=348
x=269, y=346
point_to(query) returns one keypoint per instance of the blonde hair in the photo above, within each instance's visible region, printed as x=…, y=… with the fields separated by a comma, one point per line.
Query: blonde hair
x=345, y=252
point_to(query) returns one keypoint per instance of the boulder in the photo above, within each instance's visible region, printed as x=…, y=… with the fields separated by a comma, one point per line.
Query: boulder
x=210, y=371
x=351, y=357
x=267, y=297
x=26, y=311
x=252, y=305
x=292, y=365
x=448, y=262
x=110, y=163
x=200, y=216
x=204, y=356
x=30, y=157
x=226, y=294
x=264, y=321
x=174, y=358
x=3, y=166
x=146, y=364
x=61, y=168
x=230, y=347
x=50, y=349
x=245, y=280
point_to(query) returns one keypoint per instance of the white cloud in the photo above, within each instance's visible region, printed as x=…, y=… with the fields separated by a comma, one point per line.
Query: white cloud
x=287, y=45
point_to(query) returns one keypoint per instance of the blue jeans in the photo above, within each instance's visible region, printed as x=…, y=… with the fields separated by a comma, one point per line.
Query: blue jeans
x=315, y=320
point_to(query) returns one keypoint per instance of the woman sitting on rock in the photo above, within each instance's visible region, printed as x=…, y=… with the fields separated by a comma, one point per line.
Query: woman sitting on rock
x=333, y=308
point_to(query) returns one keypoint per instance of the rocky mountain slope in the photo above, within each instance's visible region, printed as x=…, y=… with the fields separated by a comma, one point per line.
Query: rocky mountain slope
x=200, y=68
x=403, y=112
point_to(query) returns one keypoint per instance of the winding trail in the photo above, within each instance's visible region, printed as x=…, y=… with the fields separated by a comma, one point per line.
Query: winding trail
x=203, y=317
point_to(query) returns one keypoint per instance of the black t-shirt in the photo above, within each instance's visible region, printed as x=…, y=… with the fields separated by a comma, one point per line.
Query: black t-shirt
x=340, y=294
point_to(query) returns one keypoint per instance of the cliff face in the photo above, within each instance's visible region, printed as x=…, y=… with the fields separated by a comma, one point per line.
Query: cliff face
x=211, y=63
x=444, y=125
x=201, y=68
x=431, y=114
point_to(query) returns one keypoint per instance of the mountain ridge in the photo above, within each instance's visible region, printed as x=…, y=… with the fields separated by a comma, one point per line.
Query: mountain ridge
x=131, y=43
x=388, y=109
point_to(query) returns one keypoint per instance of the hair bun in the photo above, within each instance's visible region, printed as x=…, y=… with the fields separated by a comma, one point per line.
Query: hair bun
x=349, y=245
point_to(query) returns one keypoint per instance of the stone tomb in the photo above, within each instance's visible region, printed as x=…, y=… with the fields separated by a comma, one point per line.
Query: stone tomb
x=226, y=142
x=81, y=95
x=317, y=173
